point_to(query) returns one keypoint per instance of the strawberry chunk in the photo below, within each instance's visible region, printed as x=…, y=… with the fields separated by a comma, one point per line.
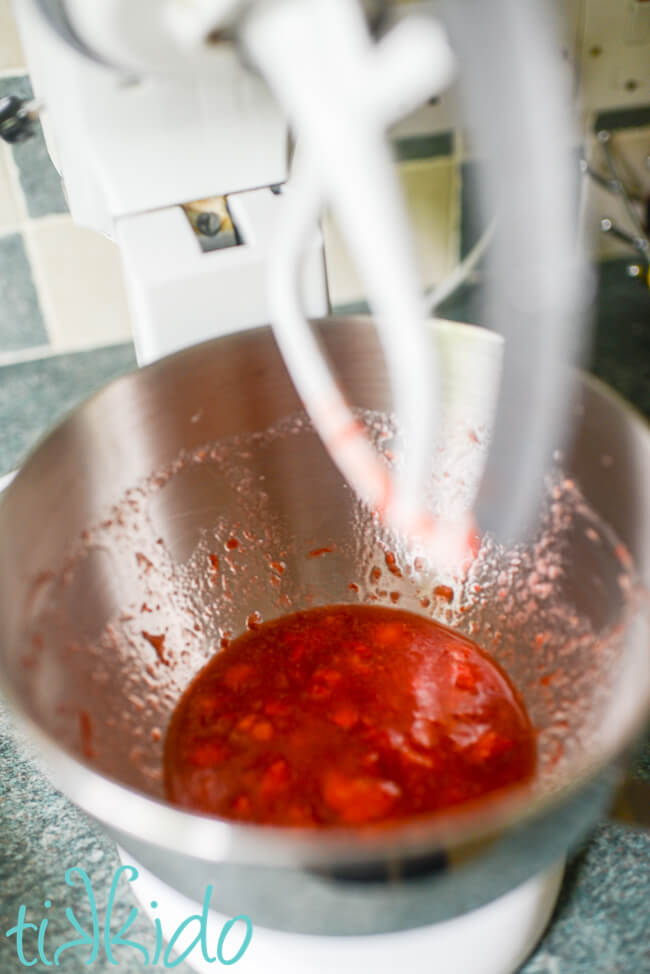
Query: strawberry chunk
x=346, y=717
x=207, y=754
x=237, y=675
x=465, y=677
x=388, y=633
x=490, y=745
x=359, y=799
x=275, y=779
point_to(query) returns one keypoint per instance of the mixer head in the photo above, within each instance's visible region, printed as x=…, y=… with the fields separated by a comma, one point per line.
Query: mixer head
x=344, y=71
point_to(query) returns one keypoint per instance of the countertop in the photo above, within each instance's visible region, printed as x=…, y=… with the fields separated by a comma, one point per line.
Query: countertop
x=601, y=923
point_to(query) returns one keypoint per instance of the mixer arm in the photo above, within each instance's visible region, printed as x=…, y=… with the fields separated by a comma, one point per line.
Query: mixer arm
x=341, y=91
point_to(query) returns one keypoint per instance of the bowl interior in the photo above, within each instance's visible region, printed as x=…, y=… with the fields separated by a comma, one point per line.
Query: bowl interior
x=185, y=498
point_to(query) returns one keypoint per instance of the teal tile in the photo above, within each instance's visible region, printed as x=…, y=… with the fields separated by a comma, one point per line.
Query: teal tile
x=39, y=179
x=353, y=308
x=621, y=346
x=21, y=320
x=624, y=118
x=471, y=217
x=35, y=395
x=424, y=146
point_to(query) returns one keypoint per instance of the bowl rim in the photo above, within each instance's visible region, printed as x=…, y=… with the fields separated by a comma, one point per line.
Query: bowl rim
x=216, y=840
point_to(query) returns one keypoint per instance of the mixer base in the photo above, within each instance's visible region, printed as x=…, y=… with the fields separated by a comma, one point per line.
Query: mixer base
x=494, y=939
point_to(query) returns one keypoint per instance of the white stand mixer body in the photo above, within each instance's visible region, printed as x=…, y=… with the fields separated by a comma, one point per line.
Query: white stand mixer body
x=494, y=939
x=132, y=145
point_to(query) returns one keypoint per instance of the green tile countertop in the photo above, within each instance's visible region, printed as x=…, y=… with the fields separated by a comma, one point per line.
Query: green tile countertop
x=601, y=924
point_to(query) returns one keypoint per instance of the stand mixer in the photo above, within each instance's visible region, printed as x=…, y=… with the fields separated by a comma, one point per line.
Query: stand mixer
x=153, y=106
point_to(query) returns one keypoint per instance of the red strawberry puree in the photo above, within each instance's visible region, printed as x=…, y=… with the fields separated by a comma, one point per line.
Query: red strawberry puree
x=344, y=716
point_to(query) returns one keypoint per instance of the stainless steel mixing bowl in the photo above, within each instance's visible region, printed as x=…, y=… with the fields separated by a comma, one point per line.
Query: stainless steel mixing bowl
x=105, y=543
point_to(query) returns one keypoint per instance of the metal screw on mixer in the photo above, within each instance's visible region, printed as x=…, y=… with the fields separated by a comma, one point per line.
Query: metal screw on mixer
x=209, y=223
x=17, y=118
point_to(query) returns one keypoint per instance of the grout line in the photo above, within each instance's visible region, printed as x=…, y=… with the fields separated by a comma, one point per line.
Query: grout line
x=20, y=226
x=23, y=222
x=16, y=186
x=20, y=71
x=426, y=162
x=26, y=355
x=12, y=176
x=39, y=277
x=38, y=352
x=47, y=218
